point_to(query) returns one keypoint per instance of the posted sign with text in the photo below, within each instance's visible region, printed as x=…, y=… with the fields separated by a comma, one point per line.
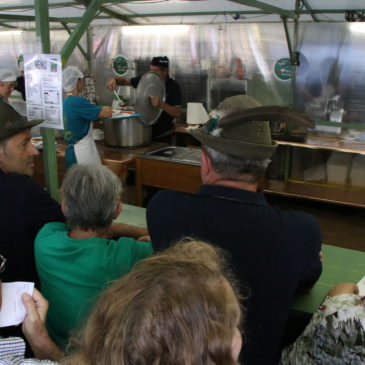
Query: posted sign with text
x=43, y=84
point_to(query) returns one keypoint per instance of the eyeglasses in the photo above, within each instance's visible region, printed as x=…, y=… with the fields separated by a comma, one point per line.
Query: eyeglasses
x=2, y=263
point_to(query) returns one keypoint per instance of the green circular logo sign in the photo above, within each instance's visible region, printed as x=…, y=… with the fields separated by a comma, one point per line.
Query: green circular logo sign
x=120, y=65
x=283, y=69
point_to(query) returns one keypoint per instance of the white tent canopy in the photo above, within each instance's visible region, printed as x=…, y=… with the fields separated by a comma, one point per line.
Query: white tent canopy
x=18, y=13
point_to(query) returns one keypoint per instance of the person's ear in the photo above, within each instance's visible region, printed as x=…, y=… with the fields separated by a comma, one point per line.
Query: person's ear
x=118, y=210
x=63, y=208
x=206, y=165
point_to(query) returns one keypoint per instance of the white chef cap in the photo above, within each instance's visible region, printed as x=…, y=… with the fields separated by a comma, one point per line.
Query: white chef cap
x=7, y=75
x=70, y=76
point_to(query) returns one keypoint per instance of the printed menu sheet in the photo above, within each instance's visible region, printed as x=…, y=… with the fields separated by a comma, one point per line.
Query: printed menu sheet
x=43, y=84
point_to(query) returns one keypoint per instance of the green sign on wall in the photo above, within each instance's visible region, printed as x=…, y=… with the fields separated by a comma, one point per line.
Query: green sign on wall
x=283, y=69
x=120, y=65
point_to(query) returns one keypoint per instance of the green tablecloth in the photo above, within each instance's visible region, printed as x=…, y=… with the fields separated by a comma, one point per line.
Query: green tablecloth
x=340, y=265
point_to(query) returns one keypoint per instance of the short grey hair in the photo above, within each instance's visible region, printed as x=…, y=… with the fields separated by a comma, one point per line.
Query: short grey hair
x=234, y=168
x=91, y=194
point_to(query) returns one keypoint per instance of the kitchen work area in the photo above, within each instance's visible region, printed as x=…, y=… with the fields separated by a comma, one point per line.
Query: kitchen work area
x=183, y=169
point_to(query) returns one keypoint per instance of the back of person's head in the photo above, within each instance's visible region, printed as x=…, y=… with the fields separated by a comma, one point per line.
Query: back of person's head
x=90, y=196
x=175, y=308
x=248, y=169
x=160, y=61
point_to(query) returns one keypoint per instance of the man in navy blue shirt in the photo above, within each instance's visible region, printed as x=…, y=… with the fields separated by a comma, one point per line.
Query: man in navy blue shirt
x=274, y=252
x=24, y=205
x=171, y=107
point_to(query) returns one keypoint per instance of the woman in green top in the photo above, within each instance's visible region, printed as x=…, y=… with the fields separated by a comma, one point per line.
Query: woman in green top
x=77, y=260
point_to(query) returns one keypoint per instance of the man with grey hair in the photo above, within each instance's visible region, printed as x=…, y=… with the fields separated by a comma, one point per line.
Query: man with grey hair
x=24, y=205
x=75, y=261
x=274, y=252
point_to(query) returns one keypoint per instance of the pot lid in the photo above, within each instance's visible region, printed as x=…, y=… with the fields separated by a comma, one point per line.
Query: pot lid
x=150, y=84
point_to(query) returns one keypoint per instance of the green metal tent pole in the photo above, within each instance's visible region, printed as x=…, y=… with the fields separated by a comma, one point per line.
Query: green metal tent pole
x=76, y=35
x=84, y=53
x=89, y=43
x=48, y=134
x=295, y=56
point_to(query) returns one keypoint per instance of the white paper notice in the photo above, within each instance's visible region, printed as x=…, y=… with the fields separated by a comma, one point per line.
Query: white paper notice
x=12, y=310
x=43, y=86
x=361, y=285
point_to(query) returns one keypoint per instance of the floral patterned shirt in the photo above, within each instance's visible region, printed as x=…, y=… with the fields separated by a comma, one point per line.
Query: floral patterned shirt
x=334, y=336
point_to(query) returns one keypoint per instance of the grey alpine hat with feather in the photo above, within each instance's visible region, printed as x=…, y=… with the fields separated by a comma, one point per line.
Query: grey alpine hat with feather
x=244, y=130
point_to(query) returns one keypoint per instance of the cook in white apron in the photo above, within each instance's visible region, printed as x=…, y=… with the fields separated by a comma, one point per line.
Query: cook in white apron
x=85, y=149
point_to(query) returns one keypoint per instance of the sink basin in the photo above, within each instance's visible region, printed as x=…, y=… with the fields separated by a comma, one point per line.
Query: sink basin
x=183, y=155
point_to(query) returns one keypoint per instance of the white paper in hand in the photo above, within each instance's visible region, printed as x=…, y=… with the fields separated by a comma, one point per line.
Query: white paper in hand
x=361, y=285
x=12, y=310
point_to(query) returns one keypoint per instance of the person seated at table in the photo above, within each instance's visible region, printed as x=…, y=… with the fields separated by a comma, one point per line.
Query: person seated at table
x=12, y=349
x=75, y=261
x=175, y=308
x=79, y=115
x=275, y=252
x=336, y=332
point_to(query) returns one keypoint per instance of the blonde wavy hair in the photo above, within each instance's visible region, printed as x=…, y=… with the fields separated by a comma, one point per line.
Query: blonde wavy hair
x=175, y=308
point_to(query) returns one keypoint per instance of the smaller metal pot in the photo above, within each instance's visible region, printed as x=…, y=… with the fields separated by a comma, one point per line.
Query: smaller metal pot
x=126, y=132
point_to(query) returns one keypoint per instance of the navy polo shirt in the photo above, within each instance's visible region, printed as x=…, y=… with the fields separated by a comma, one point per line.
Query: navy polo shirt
x=273, y=253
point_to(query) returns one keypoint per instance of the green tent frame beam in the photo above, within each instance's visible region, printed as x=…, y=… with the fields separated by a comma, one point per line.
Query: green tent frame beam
x=25, y=7
x=110, y=12
x=76, y=35
x=26, y=18
x=309, y=8
x=84, y=53
x=267, y=8
x=8, y=26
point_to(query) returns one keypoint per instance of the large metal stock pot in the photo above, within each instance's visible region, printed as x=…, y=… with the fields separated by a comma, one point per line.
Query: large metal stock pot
x=126, y=132
x=131, y=132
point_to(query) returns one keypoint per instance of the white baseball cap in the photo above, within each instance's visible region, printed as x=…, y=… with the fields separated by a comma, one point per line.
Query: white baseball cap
x=7, y=75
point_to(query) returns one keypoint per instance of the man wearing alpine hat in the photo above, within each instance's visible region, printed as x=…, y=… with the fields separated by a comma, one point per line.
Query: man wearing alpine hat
x=171, y=107
x=7, y=83
x=24, y=205
x=274, y=252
